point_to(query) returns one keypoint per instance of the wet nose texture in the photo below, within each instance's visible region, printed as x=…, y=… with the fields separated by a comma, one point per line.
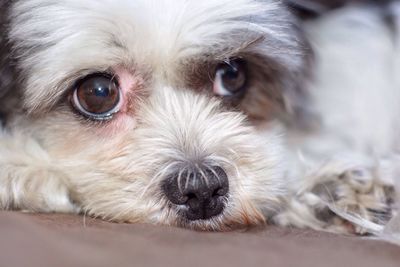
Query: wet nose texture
x=202, y=193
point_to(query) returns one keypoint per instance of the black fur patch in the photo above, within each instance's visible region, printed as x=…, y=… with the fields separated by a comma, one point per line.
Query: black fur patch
x=8, y=78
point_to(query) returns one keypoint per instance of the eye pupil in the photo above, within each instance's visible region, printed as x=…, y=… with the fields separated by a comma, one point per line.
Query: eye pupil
x=97, y=96
x=102, y=92
x=231, y=78
x=230, y=73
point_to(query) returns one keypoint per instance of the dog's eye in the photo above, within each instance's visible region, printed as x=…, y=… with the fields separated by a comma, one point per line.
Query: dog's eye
x=230, y=78
x=97, y=97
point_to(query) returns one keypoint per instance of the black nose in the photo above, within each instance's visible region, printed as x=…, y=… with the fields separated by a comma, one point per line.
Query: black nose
x=201, y=193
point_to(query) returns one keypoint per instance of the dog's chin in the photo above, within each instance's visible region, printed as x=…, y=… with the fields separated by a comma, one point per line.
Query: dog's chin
x=229, y=219
x=222, y=222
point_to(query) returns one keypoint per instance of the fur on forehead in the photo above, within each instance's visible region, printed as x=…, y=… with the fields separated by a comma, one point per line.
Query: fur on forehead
x=58, y=41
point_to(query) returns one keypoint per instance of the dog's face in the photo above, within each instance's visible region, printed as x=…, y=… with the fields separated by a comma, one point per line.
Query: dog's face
x=156, y=111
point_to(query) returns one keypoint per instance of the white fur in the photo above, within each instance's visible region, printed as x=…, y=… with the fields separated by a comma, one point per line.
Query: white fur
x=355, y=92
x=356, y=97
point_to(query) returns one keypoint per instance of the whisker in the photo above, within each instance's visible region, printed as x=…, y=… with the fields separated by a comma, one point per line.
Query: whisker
x=157, y=177
x=180, y=180
x=187, y=179
x=205, y=178
x=215, y=174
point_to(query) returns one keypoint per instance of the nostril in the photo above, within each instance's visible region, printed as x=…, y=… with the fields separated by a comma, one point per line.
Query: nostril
x=191, y=196
x=219, y=192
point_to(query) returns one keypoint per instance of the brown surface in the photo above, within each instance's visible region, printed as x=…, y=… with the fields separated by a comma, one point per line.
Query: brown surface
x=64, y=240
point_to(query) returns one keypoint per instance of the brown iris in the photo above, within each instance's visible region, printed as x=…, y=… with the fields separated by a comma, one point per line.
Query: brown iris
x=97, y=96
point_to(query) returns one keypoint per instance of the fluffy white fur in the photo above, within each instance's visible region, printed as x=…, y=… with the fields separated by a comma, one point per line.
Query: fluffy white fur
x=52, y=161
x=356, y=96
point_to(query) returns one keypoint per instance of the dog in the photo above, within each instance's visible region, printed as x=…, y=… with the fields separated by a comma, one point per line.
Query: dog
x=210, y=115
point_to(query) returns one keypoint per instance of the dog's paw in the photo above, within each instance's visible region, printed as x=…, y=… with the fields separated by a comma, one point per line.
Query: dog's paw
x=54, y=195
x=340, y=200
x=352, y=200
x=38, y=191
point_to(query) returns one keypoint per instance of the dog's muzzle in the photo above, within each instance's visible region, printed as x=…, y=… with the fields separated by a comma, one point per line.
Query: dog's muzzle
x=201, y=193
